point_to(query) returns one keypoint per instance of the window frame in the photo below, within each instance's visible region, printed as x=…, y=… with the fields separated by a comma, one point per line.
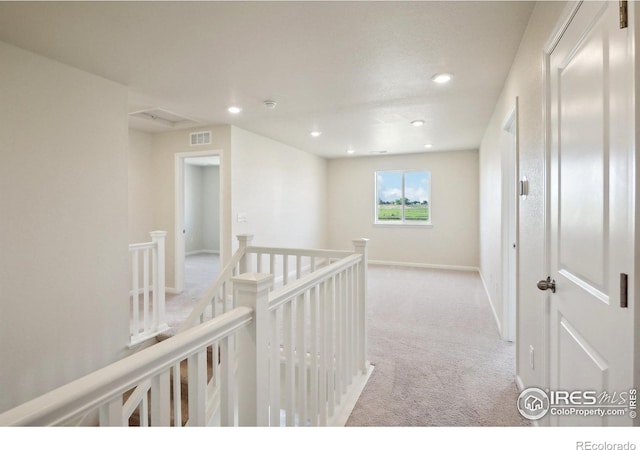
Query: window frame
x=403, y=222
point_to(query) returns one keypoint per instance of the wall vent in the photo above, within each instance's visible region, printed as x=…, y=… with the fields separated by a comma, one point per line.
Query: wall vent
x=200, y=138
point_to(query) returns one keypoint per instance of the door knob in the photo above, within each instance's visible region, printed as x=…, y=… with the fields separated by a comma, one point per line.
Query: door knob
x=543, y=285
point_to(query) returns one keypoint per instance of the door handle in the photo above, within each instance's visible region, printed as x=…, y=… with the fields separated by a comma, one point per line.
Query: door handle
x=543, y=285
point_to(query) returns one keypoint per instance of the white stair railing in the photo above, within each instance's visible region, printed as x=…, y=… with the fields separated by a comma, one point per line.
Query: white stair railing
x=285, y=264
x=147, y=294
x=146, y=385
x=294, y=355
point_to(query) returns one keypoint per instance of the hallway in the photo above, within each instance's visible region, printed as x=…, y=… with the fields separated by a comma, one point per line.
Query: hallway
x=438, y=357
x=200, y=271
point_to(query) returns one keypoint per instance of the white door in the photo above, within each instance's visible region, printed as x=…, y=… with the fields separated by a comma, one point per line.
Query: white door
x=591, y=237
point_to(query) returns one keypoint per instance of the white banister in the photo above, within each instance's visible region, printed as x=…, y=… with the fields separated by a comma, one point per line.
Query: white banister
x=244, y=241
x=103, y=389
x=158, y=238
x=360, y=246
x=148, y=281
x=294, y=354
x=252, y=291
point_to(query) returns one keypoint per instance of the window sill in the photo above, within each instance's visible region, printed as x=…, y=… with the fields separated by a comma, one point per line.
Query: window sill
x=402, y=225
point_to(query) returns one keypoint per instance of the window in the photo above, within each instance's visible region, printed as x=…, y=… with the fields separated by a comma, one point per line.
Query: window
x=403, y=197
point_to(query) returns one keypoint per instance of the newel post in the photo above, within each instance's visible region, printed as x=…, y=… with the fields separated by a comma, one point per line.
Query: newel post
x=158, y=237
x=244, y=241
x=252, y=347
x=360, y=247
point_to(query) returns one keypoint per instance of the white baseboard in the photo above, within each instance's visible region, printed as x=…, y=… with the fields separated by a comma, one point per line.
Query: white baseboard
x=204, y=251
x=519, y=383
x=422, y=265
x=493, y=309
x=341, y=416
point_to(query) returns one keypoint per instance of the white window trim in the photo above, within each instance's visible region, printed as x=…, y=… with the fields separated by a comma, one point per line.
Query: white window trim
x=402, y=223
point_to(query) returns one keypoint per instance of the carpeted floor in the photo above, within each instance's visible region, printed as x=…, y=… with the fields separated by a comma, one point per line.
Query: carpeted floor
x=438, y=358
x=200, y=271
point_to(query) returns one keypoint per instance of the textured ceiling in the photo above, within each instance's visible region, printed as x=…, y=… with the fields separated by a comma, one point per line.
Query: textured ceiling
x=359, y=72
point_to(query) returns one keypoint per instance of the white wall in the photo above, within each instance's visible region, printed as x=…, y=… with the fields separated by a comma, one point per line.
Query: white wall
x=63, y=224
x=282, y=191
x=140, y=186
x=453, y=238
x=525, y=81
x=211, y=217
x=193, y=204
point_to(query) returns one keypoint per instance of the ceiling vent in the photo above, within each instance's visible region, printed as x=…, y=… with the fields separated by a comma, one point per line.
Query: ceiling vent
x=200, y=138
x=161, y=118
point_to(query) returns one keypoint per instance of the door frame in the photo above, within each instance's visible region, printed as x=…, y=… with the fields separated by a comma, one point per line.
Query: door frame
x=510, y=224
x=561, y=26
x=179, y=241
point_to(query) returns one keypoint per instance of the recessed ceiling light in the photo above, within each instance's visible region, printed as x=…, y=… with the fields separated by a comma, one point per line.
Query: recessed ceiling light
x=270, y=104
x=428, y=145
x=315, y=133
x=442, y=78
x=234, y=109
x=417, y=123
x=351, y=151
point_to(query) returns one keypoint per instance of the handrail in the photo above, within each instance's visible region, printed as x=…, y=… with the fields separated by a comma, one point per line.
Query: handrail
x=203, y=303
x=334, y=254
x=91, y=391
x=141, y=245
x=292, y=290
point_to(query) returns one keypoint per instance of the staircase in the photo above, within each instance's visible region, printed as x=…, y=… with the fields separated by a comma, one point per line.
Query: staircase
x=278, y=339
x=179, y=413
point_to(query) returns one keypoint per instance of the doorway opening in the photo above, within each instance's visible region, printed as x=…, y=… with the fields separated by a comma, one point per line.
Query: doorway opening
x=198, y=221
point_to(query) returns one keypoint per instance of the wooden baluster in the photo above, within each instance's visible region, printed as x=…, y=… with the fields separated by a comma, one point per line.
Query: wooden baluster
x=330, y=348
x=225, y=305
x=177, y=396
x=274, y=368
x=135, y=325
x=110, y=414
x=285, y=269
x=227, y=382
x=345, y=326
x=301, y=353
x=272, y=265
x=197, y=374
x=361, y=248
x=161, y=400
x=145, y=289
x=289, y=375
x=322, y=375
x=298, y=267
x=144, y=410
x=353, y=322
x=158, y=238
x=313, y=351
x=339, y=350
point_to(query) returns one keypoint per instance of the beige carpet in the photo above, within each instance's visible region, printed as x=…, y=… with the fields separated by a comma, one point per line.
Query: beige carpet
x=438, y=358
x=200, y=271
x=433, y=340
